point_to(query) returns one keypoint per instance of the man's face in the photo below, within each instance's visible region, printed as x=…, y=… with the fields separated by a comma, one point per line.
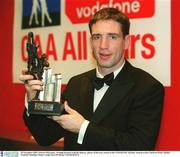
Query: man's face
x=108, y=45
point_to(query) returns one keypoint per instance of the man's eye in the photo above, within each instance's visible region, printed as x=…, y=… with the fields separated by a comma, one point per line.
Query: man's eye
x=96, y=37
x=113, y=37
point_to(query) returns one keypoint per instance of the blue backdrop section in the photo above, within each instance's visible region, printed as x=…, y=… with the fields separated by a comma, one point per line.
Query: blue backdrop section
x=53, y=8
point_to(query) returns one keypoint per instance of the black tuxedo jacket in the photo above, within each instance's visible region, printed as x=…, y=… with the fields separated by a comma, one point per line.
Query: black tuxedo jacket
x=127, y=118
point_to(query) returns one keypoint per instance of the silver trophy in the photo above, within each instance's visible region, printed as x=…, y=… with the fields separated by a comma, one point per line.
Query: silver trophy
x=46, y=102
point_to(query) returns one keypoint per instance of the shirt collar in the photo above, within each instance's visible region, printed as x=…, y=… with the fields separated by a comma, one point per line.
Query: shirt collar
x=115, y=72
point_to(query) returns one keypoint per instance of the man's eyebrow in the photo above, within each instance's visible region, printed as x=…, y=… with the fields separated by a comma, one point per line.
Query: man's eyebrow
x=106, y=33
x=96, y=34
x=113, y=34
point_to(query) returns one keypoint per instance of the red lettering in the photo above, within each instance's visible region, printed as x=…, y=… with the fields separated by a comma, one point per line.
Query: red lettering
x=126, y=53
x=51, y=49
x=38, y=43
x=144, y=40
x=79, y=45
x=85, y=45
x=82, y=45
x=23, y=48
x=69, y=47
x=148, y=54
x=134, y=40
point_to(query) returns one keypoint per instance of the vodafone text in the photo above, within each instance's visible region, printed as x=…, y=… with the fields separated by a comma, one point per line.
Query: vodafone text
x=79, y=52
x=126, y=7
x=81, y=11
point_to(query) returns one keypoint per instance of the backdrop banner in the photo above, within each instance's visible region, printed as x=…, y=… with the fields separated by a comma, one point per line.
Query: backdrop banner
x=61, y=31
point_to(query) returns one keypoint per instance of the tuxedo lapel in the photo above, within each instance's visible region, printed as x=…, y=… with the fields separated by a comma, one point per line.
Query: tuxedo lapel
x=87, y=96
x=114, y=95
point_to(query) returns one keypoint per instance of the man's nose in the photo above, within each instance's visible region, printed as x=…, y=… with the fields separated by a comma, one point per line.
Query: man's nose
x=104, y=43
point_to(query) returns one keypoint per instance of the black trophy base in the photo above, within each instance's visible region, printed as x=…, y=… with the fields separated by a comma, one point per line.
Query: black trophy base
x=48, y=108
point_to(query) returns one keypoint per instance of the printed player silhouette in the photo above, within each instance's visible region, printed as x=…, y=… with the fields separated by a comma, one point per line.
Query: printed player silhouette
x=39, y=5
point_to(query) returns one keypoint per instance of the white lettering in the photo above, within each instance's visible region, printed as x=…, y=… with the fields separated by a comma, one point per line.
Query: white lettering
x=95, y=8
x=126, y=7
x=87, y=11
x=135, y=6
x=79, y=12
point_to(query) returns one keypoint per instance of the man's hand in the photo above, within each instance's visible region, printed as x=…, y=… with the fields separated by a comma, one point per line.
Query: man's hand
x=71, y=121
x=31, y=85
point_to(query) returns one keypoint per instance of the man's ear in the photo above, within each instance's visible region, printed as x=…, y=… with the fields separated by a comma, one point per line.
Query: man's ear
x=127, y=41
x=90, y=40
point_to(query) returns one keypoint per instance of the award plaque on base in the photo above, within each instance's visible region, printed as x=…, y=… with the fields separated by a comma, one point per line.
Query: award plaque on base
x=45, y=108
x=46, y=102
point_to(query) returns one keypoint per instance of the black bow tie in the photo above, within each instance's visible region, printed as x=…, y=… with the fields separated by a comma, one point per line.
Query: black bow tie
x=99, y=82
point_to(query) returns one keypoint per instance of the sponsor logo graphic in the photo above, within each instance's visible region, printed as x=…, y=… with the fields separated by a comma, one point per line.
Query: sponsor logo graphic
x=40, y=13
x=80, y=11
x=1, y=153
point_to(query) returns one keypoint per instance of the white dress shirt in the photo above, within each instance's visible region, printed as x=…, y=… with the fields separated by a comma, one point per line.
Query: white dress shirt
x=98, y=94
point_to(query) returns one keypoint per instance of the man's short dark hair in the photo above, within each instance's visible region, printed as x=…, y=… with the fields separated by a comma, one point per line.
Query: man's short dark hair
x=111, y=14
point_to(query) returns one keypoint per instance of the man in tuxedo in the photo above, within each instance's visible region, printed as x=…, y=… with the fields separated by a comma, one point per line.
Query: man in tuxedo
x=112, y=107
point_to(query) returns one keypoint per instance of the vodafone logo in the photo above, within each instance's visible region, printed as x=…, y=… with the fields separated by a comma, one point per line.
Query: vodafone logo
x=80, y=11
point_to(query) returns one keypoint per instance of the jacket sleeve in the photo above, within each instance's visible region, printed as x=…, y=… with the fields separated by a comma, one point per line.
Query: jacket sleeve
x=44, y=130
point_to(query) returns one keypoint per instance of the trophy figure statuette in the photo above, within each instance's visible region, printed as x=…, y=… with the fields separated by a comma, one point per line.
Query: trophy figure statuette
x=46, y=102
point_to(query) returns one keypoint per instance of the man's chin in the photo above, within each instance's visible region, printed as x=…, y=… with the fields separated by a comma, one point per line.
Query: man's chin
x=105, y=65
